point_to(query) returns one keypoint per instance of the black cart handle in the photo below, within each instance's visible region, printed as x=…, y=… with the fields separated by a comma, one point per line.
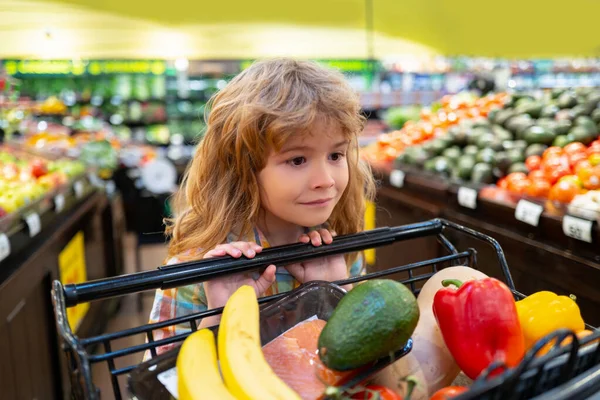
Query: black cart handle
x=199, y=271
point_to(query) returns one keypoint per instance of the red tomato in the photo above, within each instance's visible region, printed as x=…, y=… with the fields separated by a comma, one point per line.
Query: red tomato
x=515, y=176
x=448, y=392
x=575, y=147
x=552, y=151
x=580, y=165
x=555, y=167
x=371, y=391
x=564, y=191
x=519, y=186
x=576, y=157
x=594, y=159
x=533, y=162
x=503, y=183
x=537, y=175
x=539, y=188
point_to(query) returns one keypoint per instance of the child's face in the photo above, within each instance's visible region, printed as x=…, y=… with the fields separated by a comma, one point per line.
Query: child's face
x=302, y=183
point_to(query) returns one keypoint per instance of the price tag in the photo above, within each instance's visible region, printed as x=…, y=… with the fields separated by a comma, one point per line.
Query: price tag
x=78, y=188
x=528, y=212
x=59, y=203
x=169, y=380
x=467, y=197
x=34, y=224
x=397, y=178
x=577, y=228
x=4, y=246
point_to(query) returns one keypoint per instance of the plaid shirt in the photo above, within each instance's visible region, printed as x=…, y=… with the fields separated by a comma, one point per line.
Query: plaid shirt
x=186, y=300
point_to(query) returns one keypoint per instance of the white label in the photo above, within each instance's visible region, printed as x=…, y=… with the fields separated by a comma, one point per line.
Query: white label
x=4, y=246
x=34, y=224
x=78, y=187
x=467, y=197
x=59, y=203
x=528, y=212
x=169, y=380
x=577, y=228
x=397, y=178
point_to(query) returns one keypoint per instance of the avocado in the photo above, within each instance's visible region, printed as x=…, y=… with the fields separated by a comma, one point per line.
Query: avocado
x=515, y=122
x=452, y=154
x=429, y=147
x=587, y=123
x=557, y=92
x=482, y=173
x=416, y=155
x=567, y=100
x=487, y=156
x=535, y=149
x=438, y=146
x=596, y=115
x=549, y=111
x=516, y=155
x=400, y=160
x=579, y=111
x=562, y=140
x=503, y=161
x=492, y=115
x=486, y=140
x=593, y=100
x=471, y=150
x=473, y=135
x=482, y=123
x=563, y=126
x=443, y=166
x=464, y=168
x=371, y=321
x=518, y=167
x=582, y=134
x=429, y=165
x=461, y=136
x=504, y=115
x=533, y=109
x=538, y=134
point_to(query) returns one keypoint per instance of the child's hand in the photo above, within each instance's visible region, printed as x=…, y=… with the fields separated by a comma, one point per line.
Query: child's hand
x=329, y=269
x=219, y=290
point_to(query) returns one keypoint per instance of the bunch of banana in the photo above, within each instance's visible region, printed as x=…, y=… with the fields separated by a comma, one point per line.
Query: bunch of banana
x=246, y=373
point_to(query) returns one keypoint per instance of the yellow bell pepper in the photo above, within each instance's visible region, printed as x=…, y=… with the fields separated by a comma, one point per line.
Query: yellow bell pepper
x=544, y=312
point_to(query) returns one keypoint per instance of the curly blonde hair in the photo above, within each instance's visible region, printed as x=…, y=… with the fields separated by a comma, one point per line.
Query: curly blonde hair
x=256, y=113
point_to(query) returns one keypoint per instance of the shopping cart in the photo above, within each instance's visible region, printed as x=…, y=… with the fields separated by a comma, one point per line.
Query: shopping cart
x=534, y=376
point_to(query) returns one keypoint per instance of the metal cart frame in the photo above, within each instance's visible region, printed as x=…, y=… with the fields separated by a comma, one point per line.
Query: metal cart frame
x=77, y=350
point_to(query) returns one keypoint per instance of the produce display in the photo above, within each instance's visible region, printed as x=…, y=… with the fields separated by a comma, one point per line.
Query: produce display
x=99, y=150
x=558, y=174
x=24, y=178
x=431, y=125
x=465, y=328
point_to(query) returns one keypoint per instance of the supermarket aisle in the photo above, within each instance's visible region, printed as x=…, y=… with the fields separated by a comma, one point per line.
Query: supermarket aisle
x=129, y=317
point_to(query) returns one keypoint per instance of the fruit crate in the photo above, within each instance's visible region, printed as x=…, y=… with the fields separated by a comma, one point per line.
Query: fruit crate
x=534, y=376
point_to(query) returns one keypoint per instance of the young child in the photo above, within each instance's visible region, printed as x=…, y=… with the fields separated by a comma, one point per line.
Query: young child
x=278, y=164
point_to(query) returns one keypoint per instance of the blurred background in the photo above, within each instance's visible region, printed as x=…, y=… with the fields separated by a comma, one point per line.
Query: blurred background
x=102, y=105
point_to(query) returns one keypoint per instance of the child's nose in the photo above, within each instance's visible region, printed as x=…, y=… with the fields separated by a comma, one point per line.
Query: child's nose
x=322, y=178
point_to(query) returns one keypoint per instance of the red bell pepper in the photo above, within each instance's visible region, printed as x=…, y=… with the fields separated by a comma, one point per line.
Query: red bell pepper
x=479, y=324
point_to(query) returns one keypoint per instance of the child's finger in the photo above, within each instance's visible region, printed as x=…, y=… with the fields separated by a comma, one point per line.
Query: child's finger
x=326, y=236
x=217, y=252
x=304, y=238
x=315, y=238
x=265, y=280
x=246, y=248
x=230, y=249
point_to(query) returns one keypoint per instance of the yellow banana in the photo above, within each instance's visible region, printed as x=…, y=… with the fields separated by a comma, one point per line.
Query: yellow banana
x=198, y=376
x=247, y=374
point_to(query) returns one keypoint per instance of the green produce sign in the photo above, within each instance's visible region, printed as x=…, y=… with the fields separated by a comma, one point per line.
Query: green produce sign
x=357, y=66
x=21, y=68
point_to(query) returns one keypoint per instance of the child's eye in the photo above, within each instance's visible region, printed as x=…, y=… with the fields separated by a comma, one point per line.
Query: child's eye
x=336, y=156
x=297, y=161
